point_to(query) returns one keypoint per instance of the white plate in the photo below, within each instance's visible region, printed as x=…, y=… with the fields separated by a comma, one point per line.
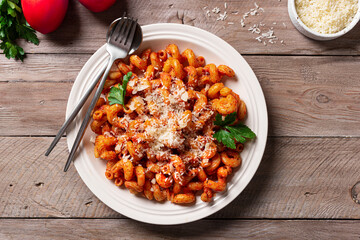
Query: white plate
x=215, y=50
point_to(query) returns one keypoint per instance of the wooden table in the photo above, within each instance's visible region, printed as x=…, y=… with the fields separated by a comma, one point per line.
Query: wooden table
x=311, y=163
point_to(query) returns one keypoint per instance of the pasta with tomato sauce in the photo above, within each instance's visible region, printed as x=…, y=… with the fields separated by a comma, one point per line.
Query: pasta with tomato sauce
x=160, y=143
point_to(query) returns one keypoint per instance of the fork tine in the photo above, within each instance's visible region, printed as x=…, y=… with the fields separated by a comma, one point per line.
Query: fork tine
x=118, y=25
x=128, y=28
x=121, y=32
x=129, y=38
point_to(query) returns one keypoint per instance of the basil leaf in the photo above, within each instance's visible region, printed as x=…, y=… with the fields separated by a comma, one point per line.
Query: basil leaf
x=241, y=130
x=226, y=138
x=229, y=119
x=117, y=94
x=227, y=134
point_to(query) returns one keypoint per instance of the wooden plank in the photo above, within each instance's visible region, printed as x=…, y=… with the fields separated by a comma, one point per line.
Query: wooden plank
x=32, y=109
x=210, y=229
x=84, y=32
x=311, y=96
x=298, y=178
x=43, y=68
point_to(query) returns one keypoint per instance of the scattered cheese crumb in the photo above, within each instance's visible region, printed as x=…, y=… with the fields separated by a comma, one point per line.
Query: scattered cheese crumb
x=222, y=17
x=208, y=13
x=107, y=134
x=103, y=96
x=255, y=29
x=118, y=147
x=216, y=10
x=264, y=37
x=242, y=23
x=184, y=96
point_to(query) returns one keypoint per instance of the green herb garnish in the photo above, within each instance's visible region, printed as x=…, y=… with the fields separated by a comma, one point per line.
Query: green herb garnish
x=229, y=134
x=12, y=27
x=117, y=94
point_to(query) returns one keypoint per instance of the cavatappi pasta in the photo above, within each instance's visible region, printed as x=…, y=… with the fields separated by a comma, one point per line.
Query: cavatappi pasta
x=161, y=145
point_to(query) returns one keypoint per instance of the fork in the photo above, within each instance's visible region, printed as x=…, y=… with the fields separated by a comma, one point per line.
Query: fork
x=118, y=46
x=75, y=111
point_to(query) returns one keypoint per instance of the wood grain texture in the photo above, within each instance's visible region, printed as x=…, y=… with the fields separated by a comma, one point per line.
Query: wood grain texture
x=84, y=32
x=213, y=229
x=306, y=96
x=298, y=178
x=39, y=106
x=43, y=68
x=310, y=96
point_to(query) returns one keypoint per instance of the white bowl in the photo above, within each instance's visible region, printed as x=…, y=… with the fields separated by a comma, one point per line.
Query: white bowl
x=301, y=27
x=215, y=50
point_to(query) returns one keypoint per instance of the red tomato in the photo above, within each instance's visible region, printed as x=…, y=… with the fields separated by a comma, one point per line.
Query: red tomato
x=44, y=15
x=97, y=5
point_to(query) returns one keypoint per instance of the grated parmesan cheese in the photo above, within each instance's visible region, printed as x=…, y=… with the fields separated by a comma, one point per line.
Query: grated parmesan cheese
x=222, y=17
x=326, y=16
x=216, y=10
x=208, y=13
x=118, y=147
x=242, y=23
x=107, y=134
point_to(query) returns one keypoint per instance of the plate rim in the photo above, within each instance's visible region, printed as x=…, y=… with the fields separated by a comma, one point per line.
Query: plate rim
x=99, y=54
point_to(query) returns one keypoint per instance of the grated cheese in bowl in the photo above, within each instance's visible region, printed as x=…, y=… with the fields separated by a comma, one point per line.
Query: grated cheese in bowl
x=326, y=16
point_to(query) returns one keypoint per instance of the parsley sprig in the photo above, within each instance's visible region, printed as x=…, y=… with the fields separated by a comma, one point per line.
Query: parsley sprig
x=12, y=27
x=117, y=94
x=228, y=134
